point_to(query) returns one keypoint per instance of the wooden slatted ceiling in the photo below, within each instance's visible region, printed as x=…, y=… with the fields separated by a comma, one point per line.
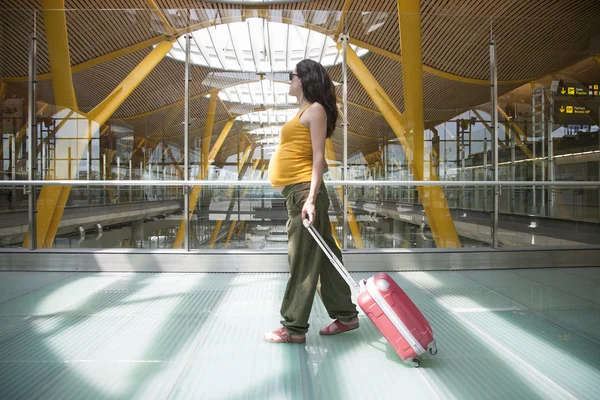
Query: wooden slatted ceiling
x=94, y=27
x=168, y=123
x=526, y=32
x=443, y=98
x=162, y=87
x=16, y=27
x=327, y=5
x=455, y=34
x=93, y=33
x=454, y=40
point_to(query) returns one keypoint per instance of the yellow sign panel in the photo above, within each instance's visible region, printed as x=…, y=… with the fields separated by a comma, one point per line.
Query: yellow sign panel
x=580, y=110
x=595, y=87
x=569, y=108
x=571, y=90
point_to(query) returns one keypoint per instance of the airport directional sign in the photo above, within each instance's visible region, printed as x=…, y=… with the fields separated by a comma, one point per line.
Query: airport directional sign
x=572, y=112
x=579, y=90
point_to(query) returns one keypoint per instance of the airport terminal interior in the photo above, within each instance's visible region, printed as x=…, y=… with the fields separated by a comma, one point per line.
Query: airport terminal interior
x=143, y=250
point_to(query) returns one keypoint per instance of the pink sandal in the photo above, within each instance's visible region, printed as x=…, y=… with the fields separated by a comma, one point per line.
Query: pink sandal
x=281, y=336
x=338, y=327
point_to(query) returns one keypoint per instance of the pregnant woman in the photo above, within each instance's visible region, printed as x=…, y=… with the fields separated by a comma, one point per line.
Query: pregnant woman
x=296, y=170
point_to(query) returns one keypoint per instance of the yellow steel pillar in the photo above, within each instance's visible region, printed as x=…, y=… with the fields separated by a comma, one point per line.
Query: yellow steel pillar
x=23, y=130
x=55, y=22
x=176, y=162
x=215, y=234
x=520, y=134
x=105, y=110
x=230, y=233
x=241, y=171
x=52, y=134
x=195, y=193
x=432, y=198
x=254, y=167
x=358, y=242
x=2, y=91
x=52, y=199
x=239, y=232
x=340, y=25
x=487, y=126
x=162, y=17
x=208, y=128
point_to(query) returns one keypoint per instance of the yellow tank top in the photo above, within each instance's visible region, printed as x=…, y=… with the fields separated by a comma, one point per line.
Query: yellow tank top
x=292, y=161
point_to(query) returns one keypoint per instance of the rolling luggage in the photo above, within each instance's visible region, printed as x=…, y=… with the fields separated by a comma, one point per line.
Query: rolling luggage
x=389, y=308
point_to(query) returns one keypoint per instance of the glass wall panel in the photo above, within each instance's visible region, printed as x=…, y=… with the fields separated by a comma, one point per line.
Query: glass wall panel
x=550, y=114
x=414, y=116
x=110, y=115
x=111, y=107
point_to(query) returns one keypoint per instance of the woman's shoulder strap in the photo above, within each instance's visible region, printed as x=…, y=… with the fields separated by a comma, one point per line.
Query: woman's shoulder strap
x=304, y=109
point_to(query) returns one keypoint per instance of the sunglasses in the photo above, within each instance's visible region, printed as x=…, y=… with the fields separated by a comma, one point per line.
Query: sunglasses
x=292, y=75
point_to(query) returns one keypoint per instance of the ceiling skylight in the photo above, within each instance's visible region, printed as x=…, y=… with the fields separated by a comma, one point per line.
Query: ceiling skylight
x=259, y=46
x=264, y=92
x=269, y=116
x=266, y=131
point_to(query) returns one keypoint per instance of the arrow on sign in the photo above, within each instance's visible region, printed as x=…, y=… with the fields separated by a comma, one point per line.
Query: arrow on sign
x=561, y=109
x=563, y=91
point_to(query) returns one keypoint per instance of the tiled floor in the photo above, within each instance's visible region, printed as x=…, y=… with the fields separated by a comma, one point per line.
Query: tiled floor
x=506, y=334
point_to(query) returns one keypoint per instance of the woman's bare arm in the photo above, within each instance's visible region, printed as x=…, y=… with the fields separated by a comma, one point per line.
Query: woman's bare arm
x=315, y=118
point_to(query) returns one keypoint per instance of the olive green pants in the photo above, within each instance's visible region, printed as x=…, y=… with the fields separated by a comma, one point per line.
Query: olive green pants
x=309, y=264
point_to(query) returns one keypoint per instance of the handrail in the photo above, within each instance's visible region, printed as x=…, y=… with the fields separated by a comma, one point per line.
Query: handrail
x=236, y=183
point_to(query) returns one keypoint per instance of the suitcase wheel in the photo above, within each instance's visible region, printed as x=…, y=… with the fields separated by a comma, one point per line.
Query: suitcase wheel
x=432, y=348
x=414, y=362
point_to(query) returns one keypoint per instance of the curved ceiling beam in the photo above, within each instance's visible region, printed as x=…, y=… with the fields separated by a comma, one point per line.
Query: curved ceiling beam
x=338, y=30
x=162, y=17
x=180, y=102
x=99, y=60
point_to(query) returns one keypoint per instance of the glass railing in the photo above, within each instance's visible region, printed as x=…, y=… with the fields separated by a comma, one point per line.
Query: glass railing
x=252, y=216
x=125, y=117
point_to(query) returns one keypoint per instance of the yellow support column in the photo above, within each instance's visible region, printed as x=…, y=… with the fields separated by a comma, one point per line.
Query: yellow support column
x=230, y=233
x=358, y=242
x=342, y=20
x=334, y=234
x=432, y=198
x=254, y=167
x=208, y=128
x=520, y=134
x=487, y=126
x=195, y=193
x=162, y=17
x=215, y=234
x=52, y=199
x=55, y=22
x=105, y=110
x=237, y=235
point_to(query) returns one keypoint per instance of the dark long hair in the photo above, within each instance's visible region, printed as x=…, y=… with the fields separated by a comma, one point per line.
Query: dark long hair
x=318, y=88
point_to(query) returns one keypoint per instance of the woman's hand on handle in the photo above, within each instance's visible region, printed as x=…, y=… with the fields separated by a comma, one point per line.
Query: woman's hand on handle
x=308, y=211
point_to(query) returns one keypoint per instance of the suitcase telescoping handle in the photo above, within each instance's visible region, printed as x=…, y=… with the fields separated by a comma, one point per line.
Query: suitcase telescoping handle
x=332, y=257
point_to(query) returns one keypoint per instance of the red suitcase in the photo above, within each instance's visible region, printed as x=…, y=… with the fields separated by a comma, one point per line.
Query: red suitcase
x=389, y=308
